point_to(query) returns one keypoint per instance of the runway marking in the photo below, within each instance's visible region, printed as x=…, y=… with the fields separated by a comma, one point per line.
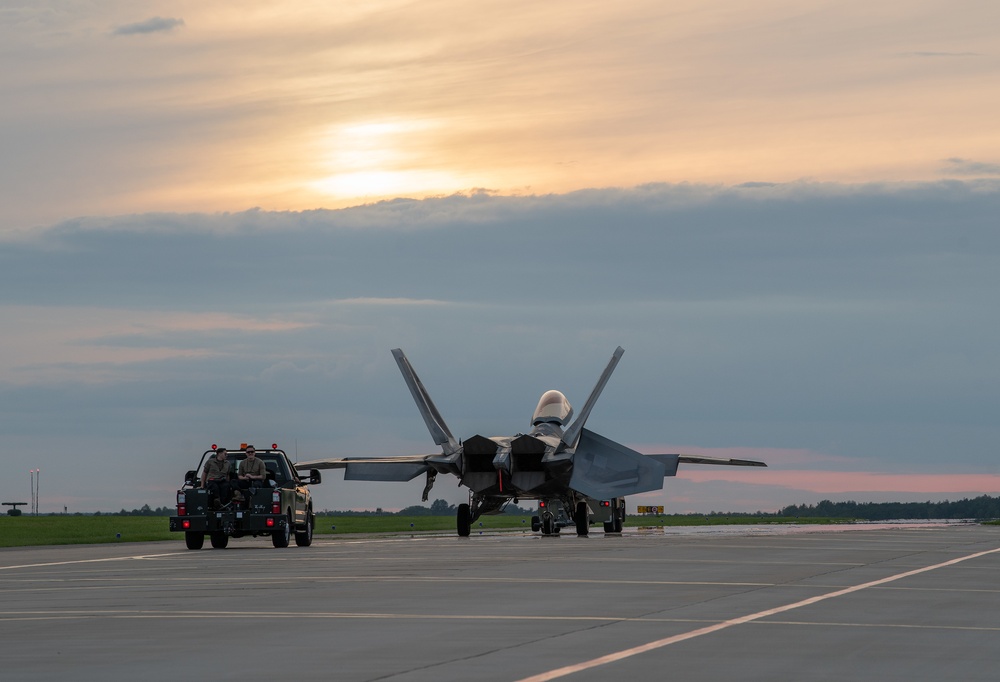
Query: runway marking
x=146, y=613
x=903, y=626
x=91, y=561
x=19, y=616
x=213, y=580
x=667, y=641
x=70, y=615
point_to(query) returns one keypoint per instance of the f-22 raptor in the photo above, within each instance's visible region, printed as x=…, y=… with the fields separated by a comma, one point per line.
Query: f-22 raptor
x=577, y=476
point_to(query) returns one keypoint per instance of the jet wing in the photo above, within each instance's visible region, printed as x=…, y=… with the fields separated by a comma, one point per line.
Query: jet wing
x=671, y=461
x=401, y=468
x=698, y=459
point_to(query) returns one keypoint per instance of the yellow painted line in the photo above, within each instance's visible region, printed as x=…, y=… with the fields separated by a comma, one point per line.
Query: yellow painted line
x=667, y=641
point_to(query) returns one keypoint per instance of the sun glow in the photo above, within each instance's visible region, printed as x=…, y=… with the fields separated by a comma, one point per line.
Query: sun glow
x=379, y=159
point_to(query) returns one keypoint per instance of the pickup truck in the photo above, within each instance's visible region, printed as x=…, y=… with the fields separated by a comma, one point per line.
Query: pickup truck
x=279, y=506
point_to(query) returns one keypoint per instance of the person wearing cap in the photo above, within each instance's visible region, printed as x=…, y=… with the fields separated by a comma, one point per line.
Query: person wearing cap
x=215, y=477
x=251, y=472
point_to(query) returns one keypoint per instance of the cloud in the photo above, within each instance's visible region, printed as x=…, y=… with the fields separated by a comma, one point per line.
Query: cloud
x=850, y=482
x=822, y=328
x=933, y=55
x=958, y=166
x=151, y=25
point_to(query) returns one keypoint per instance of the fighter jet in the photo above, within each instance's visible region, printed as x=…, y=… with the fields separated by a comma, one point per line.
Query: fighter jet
x=577, y=476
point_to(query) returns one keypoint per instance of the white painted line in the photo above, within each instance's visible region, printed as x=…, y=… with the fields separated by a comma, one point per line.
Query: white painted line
x=667, y=641
x=900, y=626
x=90, y=561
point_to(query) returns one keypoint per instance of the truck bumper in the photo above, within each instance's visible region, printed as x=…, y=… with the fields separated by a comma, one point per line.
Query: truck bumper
x=230, y=522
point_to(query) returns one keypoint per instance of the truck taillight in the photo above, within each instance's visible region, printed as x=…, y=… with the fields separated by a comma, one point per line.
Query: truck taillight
x=269, y=523
x=182, y=510
x=185, y=524
x=276, y=503
x=180, y=497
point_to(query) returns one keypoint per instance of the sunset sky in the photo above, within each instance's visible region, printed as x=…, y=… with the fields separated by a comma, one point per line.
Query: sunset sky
x=217, y=219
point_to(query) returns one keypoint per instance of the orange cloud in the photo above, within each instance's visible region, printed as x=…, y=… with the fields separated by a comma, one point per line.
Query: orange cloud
x=848, y=481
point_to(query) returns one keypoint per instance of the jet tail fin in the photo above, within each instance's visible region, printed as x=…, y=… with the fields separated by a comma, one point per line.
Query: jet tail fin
x=432, y=418
x=571, y=435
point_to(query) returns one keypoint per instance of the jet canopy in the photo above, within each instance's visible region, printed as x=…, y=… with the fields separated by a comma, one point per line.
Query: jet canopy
x=553, y=408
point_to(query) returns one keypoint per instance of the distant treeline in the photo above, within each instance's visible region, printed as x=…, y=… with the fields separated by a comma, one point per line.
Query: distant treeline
x=145, y=510
x=437, y=508
x=983, y=507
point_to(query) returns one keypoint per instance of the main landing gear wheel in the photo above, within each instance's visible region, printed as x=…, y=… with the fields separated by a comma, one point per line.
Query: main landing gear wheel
x=194, y=540
x=582, y=519
x=219, y=539
x=464, y=520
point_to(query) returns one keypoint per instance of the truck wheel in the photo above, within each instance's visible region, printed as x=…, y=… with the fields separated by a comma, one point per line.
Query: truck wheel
x=281, y=536
x=194, y=540
x=617, y=517
x=582, y=519
x=305, y=538
x=464, y=521
x=536, y=524
x=219, y=539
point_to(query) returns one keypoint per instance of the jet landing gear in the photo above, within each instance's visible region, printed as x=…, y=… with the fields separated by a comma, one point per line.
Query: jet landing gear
x=582, y=519
x=464, y=521
x=477, y=506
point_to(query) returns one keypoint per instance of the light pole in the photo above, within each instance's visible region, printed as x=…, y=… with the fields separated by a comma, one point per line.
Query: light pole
x=36, y=474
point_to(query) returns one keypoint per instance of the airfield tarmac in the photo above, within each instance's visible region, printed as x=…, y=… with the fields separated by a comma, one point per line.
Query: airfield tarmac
x=875, y=603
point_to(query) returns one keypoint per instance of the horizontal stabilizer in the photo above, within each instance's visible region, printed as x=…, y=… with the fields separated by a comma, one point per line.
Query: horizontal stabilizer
x=604, y=469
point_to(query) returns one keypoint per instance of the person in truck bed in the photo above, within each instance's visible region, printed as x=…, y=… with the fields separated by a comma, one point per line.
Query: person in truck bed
x=215, y=478
x=251, y=473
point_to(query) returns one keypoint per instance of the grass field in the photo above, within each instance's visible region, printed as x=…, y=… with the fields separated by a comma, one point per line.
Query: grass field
x=20, y=531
